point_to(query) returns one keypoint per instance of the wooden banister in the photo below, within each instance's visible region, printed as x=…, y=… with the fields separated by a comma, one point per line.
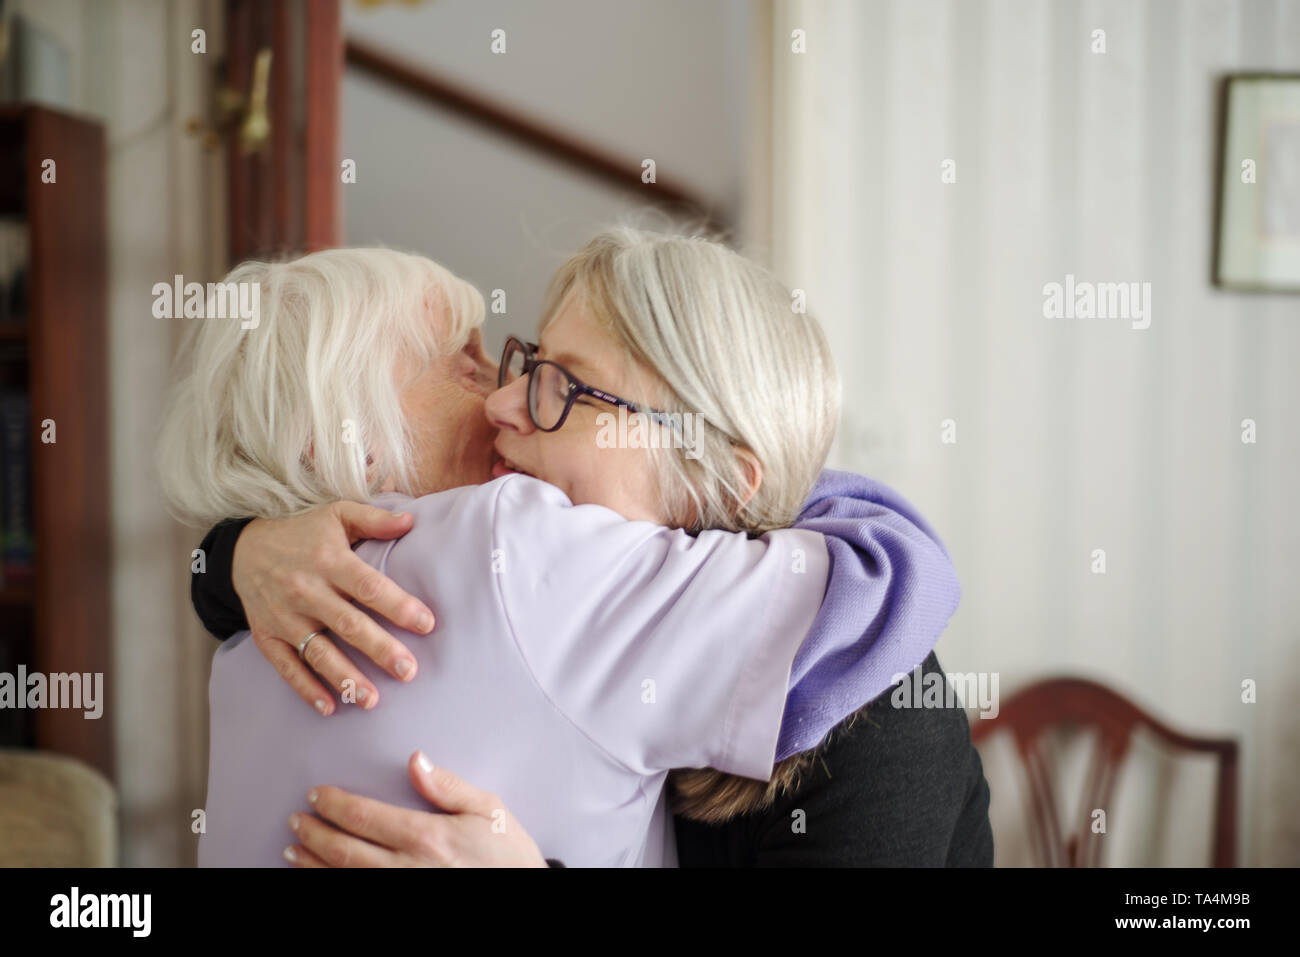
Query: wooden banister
x=584, y=158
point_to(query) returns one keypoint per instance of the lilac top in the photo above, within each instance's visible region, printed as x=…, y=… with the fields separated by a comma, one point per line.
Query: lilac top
x=578, y=658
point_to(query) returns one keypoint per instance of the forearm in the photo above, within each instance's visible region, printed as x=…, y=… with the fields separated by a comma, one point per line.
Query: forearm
x=212, y=590
x=290, y=579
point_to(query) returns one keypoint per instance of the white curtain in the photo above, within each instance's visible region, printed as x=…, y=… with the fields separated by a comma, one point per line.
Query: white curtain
x=1072, y=435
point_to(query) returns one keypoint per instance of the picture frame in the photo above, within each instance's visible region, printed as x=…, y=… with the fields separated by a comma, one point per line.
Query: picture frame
x=1257, y=246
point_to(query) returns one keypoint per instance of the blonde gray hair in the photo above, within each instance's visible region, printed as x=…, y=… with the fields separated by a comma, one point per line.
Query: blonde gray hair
x=304, y=408
x=723, y=334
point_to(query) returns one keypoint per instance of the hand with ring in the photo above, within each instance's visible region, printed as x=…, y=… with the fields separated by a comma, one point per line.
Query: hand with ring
x=297, y=579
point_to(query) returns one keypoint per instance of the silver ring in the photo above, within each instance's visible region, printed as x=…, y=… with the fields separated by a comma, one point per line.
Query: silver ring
x=302, y=645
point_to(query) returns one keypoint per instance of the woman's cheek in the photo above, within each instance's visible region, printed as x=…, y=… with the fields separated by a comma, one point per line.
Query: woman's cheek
x=574, y=476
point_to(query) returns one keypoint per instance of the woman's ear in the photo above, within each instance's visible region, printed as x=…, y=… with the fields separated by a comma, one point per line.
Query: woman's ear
x=465, y=373
x=472, y=369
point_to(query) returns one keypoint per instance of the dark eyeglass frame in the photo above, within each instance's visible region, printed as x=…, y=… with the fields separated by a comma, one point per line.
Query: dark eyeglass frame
x=576, y=387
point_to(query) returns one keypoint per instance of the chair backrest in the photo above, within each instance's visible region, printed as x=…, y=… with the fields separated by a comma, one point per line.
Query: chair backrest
x=55, y=811
x=1060, y=702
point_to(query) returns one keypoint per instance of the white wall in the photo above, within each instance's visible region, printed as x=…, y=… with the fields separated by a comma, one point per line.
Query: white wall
x=1071, y=434
x=665, y=80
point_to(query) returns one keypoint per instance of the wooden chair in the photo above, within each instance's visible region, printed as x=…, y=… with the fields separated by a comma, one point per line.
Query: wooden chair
x=1059, y=702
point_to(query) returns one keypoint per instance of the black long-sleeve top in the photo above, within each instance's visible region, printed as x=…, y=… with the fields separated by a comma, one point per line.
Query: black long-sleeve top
x=890, y=787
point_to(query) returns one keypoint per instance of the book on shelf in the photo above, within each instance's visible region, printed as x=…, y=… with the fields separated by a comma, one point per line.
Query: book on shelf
x=16, y=539
x=16, y=545
x=15, y=723
x=14, y=255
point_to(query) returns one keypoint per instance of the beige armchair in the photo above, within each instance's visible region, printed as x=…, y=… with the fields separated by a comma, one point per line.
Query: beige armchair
x=55, y=811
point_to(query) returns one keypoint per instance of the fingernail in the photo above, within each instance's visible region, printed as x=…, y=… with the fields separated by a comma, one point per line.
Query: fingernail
x=363, y=694
x=424, y=624
x=404, y=668
x=294, y=821
x=322, y=707
x=424, y=763
x=312, y=795
x=400, y=514
x=291, y=855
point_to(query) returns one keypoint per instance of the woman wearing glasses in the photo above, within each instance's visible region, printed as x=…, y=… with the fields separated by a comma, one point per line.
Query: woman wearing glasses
x=686, y=328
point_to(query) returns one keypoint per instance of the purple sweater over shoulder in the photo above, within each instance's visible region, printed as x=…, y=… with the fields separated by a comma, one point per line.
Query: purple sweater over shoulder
x=891, y=591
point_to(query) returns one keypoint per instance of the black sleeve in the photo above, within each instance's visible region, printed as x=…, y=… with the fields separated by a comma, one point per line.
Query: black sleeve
x=891, y=787
x=212, y=591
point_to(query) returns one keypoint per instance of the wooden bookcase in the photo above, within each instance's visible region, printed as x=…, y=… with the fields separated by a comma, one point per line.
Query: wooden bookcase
x=62, y=621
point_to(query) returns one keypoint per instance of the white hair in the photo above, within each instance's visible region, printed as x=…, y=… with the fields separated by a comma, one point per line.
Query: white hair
x=304, y=408
x=723, y=334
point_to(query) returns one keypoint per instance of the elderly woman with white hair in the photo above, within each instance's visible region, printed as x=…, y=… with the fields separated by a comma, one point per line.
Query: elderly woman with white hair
x=588, y=641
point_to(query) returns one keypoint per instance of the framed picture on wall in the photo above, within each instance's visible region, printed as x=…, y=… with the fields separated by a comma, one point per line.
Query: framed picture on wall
x=1258, y=242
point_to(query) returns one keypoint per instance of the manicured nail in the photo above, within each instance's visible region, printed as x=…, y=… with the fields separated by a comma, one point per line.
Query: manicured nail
x=363, y=694
x=424, y=763
x=291, y=855
x=404, y=668
x=322, y=707
x=425, y=624
x=294, y=822
x=312, y=795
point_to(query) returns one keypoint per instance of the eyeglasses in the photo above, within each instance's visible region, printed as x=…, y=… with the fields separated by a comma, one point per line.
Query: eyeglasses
x=552, y=388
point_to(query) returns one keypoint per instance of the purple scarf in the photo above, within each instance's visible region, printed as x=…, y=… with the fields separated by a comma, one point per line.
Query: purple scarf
x=889, y=595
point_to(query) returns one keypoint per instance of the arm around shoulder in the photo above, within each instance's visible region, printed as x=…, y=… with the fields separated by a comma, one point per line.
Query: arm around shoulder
x=668, y=650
